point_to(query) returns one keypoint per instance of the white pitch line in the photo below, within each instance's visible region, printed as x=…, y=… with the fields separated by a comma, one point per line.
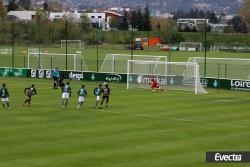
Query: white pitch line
x=228, y=100
x=183, y=120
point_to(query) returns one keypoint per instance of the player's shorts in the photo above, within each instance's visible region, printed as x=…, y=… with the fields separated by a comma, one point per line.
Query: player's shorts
x=105, y=97
x=5, y=99
x=97, y=98
x=55, y=78
x=81, y=99
x=65, y=95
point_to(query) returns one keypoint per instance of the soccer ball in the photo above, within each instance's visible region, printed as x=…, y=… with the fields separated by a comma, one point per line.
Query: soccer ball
x=104, y=83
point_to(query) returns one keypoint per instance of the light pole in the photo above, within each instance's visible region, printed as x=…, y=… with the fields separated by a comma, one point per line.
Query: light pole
x=132, y=47
x=97, y=46
x=66, y=50
x=39, y=41
x=205, y=48
x=13, y=43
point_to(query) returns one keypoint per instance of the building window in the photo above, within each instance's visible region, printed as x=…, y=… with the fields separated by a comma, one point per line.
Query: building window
x=92, y=17
x=99, y=17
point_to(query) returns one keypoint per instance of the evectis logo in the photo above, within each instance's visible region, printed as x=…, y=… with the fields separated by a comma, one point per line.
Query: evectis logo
x=227, y=158
x=223, y=157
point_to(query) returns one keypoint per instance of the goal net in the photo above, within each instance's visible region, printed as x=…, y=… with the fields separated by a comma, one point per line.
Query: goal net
x=5, y=57
x=117, y=63
x=170, y=75
x=190, y=46
x=74, y=44
x=74, y=62
x=231, y=68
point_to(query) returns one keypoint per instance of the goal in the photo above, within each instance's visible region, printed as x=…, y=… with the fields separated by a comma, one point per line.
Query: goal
x=5, y=51
x=117, y=63
x=5, y=57
x=230, y=68
x=170, y=75
x=190, y=46
x=75, y=44
x=33, y=50
x=75, y=62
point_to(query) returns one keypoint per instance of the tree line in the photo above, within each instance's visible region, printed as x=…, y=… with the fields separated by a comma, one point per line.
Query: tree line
x=196, y=13
x=137, y=19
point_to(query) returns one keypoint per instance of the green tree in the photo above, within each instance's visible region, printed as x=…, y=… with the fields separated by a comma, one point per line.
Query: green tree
x=46, y=6
x=146, y=20
x=85, y=24
x=245, y=12
x=133, y=19
x=139, y=20
x=12, y=6
x=238, y=24
x=113, y=23
x=25, y=4
x=3, y=12
x=123, y=23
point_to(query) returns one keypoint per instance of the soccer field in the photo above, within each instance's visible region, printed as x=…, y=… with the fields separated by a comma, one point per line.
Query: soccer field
x=140, y=128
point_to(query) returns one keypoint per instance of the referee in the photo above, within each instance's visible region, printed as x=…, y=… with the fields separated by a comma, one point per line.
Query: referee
x=55, y=75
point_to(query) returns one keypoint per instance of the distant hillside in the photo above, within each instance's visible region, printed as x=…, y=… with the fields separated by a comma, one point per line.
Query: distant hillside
x=226, y=6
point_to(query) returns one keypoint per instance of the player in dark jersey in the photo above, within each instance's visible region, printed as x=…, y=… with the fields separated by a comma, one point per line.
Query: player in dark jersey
x=106, y=93
x=30, y=91
x=4, y=94
x=98, y=92
x=61, y=78
x=55, y=75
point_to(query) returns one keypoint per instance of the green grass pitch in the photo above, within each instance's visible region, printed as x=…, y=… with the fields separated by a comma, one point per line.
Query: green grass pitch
x=141, y=128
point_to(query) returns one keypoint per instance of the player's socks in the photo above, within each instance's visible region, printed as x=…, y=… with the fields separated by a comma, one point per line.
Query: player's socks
x=25, y=102
x=66, y=104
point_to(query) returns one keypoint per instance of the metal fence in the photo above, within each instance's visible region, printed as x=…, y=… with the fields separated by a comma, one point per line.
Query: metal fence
x=46, y=35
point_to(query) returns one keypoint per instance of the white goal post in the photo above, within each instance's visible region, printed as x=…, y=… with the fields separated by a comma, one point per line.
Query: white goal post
x=117, y=63
x=190, y=46
x=170, y=75
x=76, y=44
x=75, y=62
x=232, y=68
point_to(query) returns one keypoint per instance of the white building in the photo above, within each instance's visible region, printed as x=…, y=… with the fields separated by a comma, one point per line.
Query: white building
x=190, y=23
x=97, y=19
x=62, y=15
x=23, y=15
x=218, y=27
x=76, y=16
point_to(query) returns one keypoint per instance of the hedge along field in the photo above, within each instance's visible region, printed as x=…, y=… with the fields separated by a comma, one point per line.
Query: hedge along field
x=50, y=34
